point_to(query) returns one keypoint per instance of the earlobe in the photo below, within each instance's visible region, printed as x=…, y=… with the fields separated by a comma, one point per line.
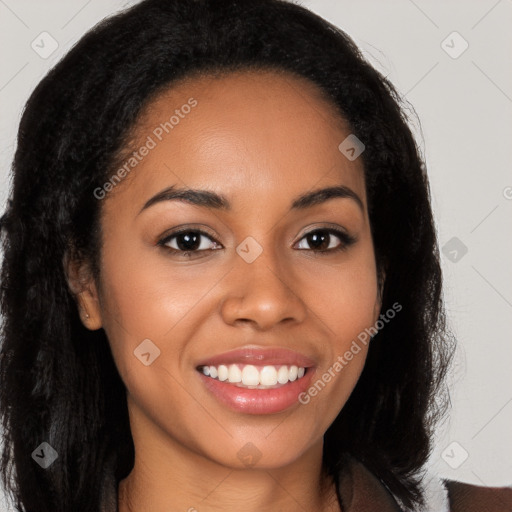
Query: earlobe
x=83, y=287
x=89, y=309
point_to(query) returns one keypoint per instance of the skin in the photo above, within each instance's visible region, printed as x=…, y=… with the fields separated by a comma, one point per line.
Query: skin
x=261, y=139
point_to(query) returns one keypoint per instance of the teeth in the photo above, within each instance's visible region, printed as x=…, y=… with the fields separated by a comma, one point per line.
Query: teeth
x=223, y=372
x=234, y=374
x=268, y=376
x=251, y=376
x=282, y=375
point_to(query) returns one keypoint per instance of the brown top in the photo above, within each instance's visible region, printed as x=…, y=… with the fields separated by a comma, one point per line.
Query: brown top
x=473, y=498
x=361, y=491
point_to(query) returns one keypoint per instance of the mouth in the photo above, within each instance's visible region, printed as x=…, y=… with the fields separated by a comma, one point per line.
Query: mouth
x=257, y=381
x=254, y=377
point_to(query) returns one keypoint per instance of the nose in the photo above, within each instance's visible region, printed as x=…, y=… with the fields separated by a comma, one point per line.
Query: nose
x=262, y=293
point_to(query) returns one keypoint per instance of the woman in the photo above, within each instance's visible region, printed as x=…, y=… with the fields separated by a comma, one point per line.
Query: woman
x=221, y=283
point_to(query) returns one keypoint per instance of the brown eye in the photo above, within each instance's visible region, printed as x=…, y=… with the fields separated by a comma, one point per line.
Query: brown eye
x=187, y=241
x=323, y=240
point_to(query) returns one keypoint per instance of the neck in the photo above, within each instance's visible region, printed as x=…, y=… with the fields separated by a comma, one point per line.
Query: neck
x=168, y=476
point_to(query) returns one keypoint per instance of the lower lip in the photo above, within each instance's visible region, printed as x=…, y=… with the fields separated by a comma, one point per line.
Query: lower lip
x=258, y=401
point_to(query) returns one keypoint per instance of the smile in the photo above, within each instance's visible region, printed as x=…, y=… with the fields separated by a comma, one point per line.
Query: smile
x=254, y=377
x=257, y=380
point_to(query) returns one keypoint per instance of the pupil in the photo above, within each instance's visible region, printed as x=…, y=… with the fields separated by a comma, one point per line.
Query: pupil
x=188, y=242
x=314, y=238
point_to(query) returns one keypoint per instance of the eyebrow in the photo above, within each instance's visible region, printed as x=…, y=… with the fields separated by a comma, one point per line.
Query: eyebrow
x=208, y=199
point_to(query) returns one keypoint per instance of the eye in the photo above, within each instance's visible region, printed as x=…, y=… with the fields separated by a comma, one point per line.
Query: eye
x=187, y=241
x=323, y=240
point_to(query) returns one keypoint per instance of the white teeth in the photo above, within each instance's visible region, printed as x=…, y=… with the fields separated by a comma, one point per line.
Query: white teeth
x=234, y=374
x=268, y=376
x=251, y=376
x=282, y=375
x=223, y=372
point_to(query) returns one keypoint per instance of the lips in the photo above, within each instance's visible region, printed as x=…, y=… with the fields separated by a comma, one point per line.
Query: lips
x=295, y=372
x=259, y=357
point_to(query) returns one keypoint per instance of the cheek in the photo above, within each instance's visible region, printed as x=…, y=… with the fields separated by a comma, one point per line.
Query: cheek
x=144, y=296
x=345, y=295
x=345, y=299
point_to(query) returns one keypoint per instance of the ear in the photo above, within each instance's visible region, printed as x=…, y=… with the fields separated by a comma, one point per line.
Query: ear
x=83, y=287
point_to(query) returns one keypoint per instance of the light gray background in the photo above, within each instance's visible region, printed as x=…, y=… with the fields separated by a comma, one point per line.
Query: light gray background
x=464, y=105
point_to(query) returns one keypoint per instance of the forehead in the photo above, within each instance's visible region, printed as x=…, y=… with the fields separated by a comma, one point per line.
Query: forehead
x=267, y=134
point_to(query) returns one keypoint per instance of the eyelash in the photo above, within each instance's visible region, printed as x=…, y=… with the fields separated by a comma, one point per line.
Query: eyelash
x=345, y=239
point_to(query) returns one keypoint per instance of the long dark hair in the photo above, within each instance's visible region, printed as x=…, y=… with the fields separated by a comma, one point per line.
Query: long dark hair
x=59, y=383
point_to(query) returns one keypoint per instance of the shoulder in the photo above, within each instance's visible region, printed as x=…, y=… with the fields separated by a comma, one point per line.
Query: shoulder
x=361, y=491
x=473, y=498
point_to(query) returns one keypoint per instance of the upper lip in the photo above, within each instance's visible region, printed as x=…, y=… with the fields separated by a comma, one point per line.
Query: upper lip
x=259, y=356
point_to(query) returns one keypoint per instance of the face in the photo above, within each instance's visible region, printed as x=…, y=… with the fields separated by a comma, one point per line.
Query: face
x=253, y=274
